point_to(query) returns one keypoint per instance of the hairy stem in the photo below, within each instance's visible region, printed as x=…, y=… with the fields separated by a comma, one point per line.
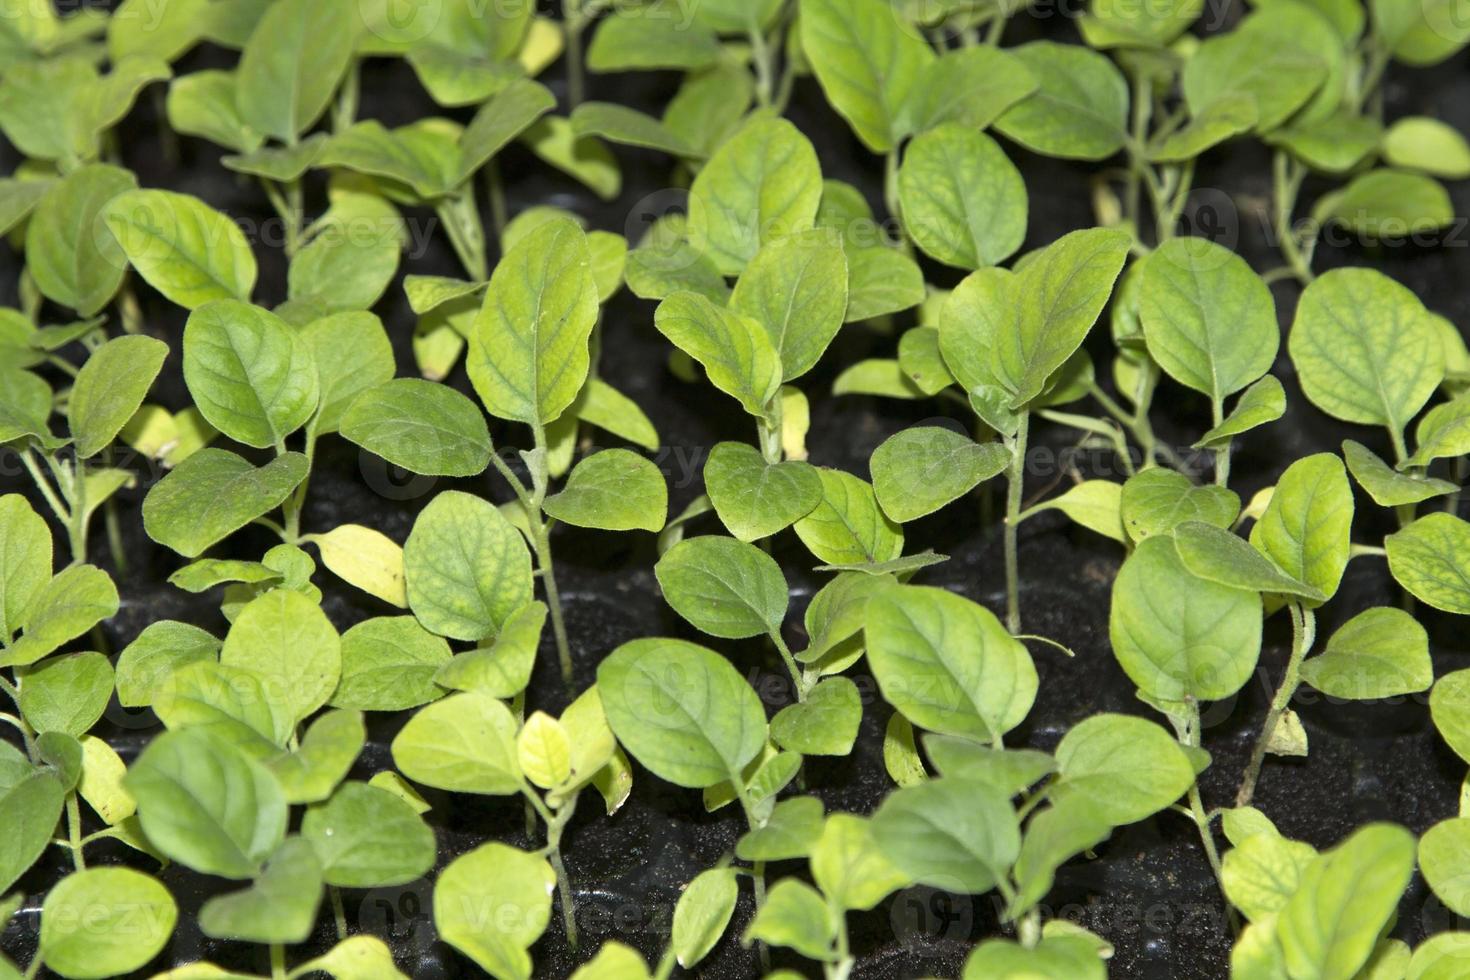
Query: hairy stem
x=1015, y=478
x=1303, y=628
x=44, y=486
x=1222, y=451
x=1190, y=737
x=74, y=831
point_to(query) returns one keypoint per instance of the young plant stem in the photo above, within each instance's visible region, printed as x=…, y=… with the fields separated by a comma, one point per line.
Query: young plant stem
x=757, y=868
x=44, y=486
x=344, y=113
x=576, y=20
x=890, y=187
x=1287, y=177
x=1222, y=451
x=798, y=681
x=74, y=831
x=278, y=962
x=1190, y=737
x=18, y=720
x=74, y=487
x=531, y=500
x=339, y=913
x=556, y=823
x=841, y=967
x=461, y=220
x=495, y=191
x=1303, y=631
x=1015, y=491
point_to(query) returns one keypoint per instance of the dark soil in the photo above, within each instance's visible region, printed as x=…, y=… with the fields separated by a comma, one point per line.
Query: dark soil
x=1148, y=890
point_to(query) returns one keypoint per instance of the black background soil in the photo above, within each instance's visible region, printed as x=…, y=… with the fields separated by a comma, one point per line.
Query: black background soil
x=1148, y=890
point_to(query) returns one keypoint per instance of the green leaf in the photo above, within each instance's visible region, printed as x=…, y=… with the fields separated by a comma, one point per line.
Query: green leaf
x=703, y=914
x=1179, y=636
x=509, y=112
x=66, y=694
x=735, y=350
x=1449, y=706
x=71, y=257
x=847, y=527
x=880, y=377
x=279, y=907
x=950, y=833
x=1224, y=557
x=1209, y=320
x=1389, y=204
x=1422, y=143
x=1387, y=486
x=921, y=357
x=584, y=158
x=1428, y=559
x=388, y=664
x=1260, y=404
x=921, y=469
x=104, y=922
x=1332, y=145
x=73, y=602
x=1061, y=291
x=1157, y=501
x=228, y=702
x=1055, y=956
x=1264, y=869
x=1095, y=504
x=1078, y=112
x=250, y=373
x=25, y=561
x=1068, y=827
x=1259, y=60
x=1330, y=925
x=796, y=917
x=755, y=499
x=162, y=648
x=1443, y=433
x=352, y=354
x=964, y=202
x=202, y=104
x=213, y=494
x=109, y=389
x=423, y=155
x=467, y=568
x=422, y=426
x=724, y=587
x=327, y=752
x=1219, y=121
x=292, y=64
x=826, y=723
x=1379, y=653
x=1365, y=349
x=286, y=640
x=1126, y=768
x=353, y=256
x=31, y=807
x=796, y=288
x=971, y=86
x=792, y=830
x=637, y=40
x=869, y=63
x=528, y=349
x=182, y=247
x=947, y=663
x=356, y=958
x=465, y=743
x=205, y=804
x=620, y=124
x=881, y=281
x=683, y=711
x=366, y=837
x=763, y=184
x=1307, y=526
x=1155, y=26
x=613, y=490
x=503, y=669
x=848, y=867
x=517, y=885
